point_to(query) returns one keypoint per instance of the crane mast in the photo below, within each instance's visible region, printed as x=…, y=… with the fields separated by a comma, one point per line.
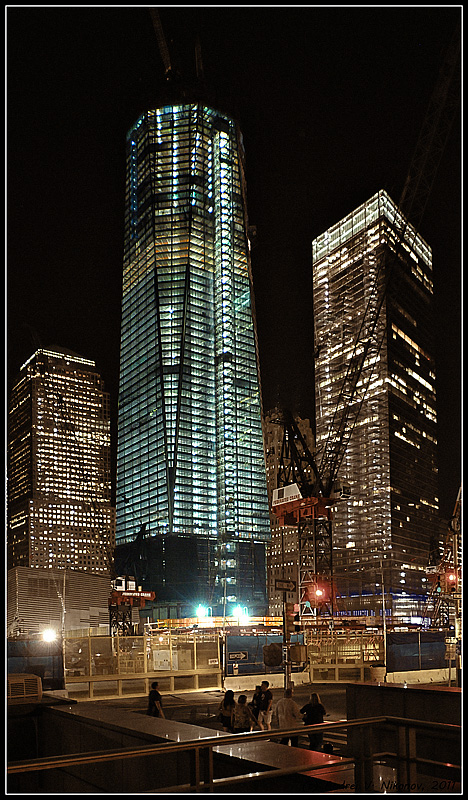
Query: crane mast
x=443, y=604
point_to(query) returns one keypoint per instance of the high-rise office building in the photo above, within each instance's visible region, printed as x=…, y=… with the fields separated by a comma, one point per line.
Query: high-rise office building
x=191, y=471
x=59, y=489
x=383, y=533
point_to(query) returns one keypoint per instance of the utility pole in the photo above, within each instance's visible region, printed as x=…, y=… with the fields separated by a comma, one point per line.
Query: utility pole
x=384, y=618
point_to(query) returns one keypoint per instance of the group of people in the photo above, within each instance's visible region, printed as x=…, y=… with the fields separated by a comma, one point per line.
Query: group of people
x=242, y=717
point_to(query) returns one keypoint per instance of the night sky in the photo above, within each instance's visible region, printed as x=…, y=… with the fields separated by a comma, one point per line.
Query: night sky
x=330, y=100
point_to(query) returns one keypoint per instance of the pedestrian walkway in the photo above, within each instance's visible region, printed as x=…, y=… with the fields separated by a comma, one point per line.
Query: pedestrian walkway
x=333, y=772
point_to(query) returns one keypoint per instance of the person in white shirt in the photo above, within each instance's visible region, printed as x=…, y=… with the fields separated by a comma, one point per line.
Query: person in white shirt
x=289, y=716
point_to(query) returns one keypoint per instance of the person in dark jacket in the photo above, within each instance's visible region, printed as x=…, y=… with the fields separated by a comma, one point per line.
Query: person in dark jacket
x=265, y=713
x=225, y=710
x=255, y=701
x=155, y=702
x=314, y=713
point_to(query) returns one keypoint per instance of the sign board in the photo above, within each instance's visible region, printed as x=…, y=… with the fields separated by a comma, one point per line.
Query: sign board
x=240, y=655
x=285, y=585
x=162, y=660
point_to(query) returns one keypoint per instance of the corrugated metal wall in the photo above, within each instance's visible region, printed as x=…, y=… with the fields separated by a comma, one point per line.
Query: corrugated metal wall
x=34, y=600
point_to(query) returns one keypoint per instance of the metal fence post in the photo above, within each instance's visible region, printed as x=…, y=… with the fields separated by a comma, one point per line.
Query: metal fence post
x=364, y=764
x=406, y=765
x=201, y=768
x=195, y=677
x=90, y=683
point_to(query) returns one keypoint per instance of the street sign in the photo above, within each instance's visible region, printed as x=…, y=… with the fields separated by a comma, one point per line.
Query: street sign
x=240, y=655
x=285, y=586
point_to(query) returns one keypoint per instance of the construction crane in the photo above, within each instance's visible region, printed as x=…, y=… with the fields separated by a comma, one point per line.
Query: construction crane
x=125, y=595
x=306, y=491
x=304, y=500
x=162, y=43
x=443, y=604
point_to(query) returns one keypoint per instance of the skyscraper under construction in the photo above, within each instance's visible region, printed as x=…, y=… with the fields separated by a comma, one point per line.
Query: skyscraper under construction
x=383, y=534
x=191, y=483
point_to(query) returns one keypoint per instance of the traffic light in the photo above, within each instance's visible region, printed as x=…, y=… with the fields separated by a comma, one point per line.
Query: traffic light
x=319, y=593
x=451, y=581
x=290, y=615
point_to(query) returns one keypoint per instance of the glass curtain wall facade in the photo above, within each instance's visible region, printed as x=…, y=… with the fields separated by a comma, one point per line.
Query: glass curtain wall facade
x=190, y=447
x=385, y=529
x=59, y=476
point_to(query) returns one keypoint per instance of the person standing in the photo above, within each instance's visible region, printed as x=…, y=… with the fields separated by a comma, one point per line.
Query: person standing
x=155, y=702
x=289, y=716
x=266, y=700
x=314, y=713
x=225, y=710
x=255, y=701
x=243, y=719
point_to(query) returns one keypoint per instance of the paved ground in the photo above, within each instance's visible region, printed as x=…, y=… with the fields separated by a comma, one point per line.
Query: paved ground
x=180, y=705
x=200, y=707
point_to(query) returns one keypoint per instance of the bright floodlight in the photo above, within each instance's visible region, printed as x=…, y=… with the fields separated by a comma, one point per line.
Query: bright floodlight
x=242, y=614
x=202, y=611
x=49, y=635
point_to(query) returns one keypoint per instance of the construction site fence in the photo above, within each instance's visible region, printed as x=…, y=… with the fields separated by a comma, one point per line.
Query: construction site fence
x=344, y=646
x=189, y=624
x=97, y=666
x=109, y=666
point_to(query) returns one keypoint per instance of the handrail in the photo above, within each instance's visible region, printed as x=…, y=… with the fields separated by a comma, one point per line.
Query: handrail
x=49, y=762
x=209, y=744
x=423, y=723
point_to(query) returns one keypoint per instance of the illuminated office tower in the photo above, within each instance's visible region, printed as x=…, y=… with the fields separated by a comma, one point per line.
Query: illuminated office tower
x=59, y=489
x=190, y=472
x=391, y=460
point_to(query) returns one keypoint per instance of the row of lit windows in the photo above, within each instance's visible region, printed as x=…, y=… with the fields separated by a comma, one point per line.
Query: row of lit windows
x=363, y=217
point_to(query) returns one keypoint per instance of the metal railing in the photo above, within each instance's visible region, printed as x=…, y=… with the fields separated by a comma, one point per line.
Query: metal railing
x=202, y=768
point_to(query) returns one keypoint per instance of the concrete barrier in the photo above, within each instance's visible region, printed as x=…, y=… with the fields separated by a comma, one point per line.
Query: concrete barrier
x=423, y=676
x=240, y=683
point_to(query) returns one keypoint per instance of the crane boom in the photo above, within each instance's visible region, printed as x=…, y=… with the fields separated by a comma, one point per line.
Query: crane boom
x=435, y=130
x=436, y=127
x=163, y=48
x=311, y=510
